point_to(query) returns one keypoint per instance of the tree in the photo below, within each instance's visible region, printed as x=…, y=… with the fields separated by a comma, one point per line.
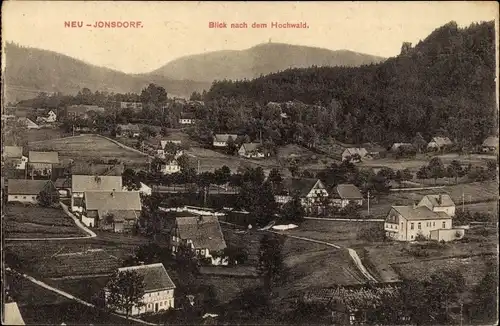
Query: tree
x=293, y=167
x=130, y=180
x=231, y=146
x=275, y=178
x=436, y=168
x=222, y=175
x=387, y=173
x=485, y=296
x=235, y=255
x=164, y=131
x=403, y=175
x=125, y=290
x=419, y=142
x=271, y=266
x=293, y=211
x=153, y=94
x=454, y=170
x=48, y=198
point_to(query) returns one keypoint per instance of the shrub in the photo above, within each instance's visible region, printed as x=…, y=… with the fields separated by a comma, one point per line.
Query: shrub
x=374, y=234
x=420, y=237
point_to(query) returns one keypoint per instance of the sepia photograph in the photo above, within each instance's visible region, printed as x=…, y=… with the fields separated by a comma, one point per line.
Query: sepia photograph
x=250, y=163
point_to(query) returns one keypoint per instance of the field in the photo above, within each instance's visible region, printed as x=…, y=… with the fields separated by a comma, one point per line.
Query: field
x=38, y=222
x=87, y=148
x=33, y=135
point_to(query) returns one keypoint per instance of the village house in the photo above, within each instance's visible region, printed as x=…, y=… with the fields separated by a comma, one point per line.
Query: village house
x=158, y=289
x=128, y=130
x=345, y=194
x=83, y=111
x=490, y=144
x=405, y=223
x=42, y=163
x=63, y=186
x=83, y=183
x=161, y=153
x=438, y=143
x=311, y=192
x=116, y=211
x=251, y=150
x=439, y=203
x=28, y=191
x=203, y=234
x=395, y=147
x=186, y=118
x=14, y=155
x=28, y=123
x=352, y=152
x=134, y=106
x=172, y=166
x=50, y=118
x=221, y=140
x=143, y=189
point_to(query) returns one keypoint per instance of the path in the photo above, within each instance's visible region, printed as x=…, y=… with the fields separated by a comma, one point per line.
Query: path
x=78, y=223
x=345, y=219
x=123, y=146
x=71, y=297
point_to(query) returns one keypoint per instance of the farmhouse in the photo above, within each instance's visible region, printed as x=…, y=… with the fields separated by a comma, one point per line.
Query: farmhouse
x=312, y=193
x=186, y=118
x=405, y=223
x=395, y=147
x=352, y=152
x=251, y=150
x=50, y=118
x=439, y=203
x=116, y=211
x=490, y=144
x=221, y=140
x=162, y=151
x=203, y=234
x=158, y=288
x=135, y=106
x=170, y=167
x=439, y=143
x=344, y=194
x=12, y=315
x=83, y=111
x=41, y=163
x=130, y=130
x=14, y=155
x=28, y=191
x=28, y=123
x=82, y=183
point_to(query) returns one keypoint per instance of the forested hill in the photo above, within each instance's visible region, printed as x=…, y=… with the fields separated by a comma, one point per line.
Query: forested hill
x=445, y=84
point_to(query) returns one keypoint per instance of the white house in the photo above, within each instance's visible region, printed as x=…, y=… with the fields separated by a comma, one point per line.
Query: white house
x=348, y=153
x=312, y=193
x=82, y=183
x=144, y=189
x=158, y=289
x=50, y=118
x=344, y=194
x=186, y=119
x=439, y=203
x=170, y=167
x=28, y=123
x=203, y=234
x=439, y=143
x=251, y=150
x=27, y=190
x=396, y=146
x=405, y=223
x=15, y=155
x=221, y=140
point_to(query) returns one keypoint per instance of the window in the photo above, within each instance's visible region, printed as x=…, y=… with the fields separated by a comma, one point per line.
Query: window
x=24, y=197
x=401, y=225
x=197, y=251
x=149, y=305
x=444, y=225
x=15, y=197
x=202, y=251
x=412, y=236
x=161, y=303
x=419, y=225
x=433, y=223
x=412, y=226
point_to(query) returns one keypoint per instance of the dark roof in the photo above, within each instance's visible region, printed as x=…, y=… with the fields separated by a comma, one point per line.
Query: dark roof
x=130, y=127
x=43, y=157
x=420, y=213
x=155, y=276
x=27, y=186
x=63, y=183
x=83, y=168
x=348, y=191
x=82, y=183
x=204, y=231
x=12, y=152
x=299, y=185
x=224, y=137
x=109, y=200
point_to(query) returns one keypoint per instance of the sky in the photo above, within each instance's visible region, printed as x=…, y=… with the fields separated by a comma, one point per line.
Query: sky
x=170, y=30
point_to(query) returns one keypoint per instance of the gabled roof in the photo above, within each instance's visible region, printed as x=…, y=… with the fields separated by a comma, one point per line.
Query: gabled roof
x=130, y=127
x=155, y=276
x=43, y=157
x=302, y=186
x=411, y=213
x=397, y=145
x=441, y=141
x=82, y=183
x=118, y=215
x=164, y=142
x=491, y=141
x=112, y=200
x=28, y=122
x=187, y=115
x=442, y=200
x=12, y=315
x=251, y=147
x=12, y=152
x=348, y=191
x=27, y=186
x=224, y=137
x=355, y=150
x=83, y=168
x=204, y=231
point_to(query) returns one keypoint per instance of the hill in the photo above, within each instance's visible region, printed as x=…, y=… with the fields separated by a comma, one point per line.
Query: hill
x=259, y=60
x=29, y=71
x=445, y=84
